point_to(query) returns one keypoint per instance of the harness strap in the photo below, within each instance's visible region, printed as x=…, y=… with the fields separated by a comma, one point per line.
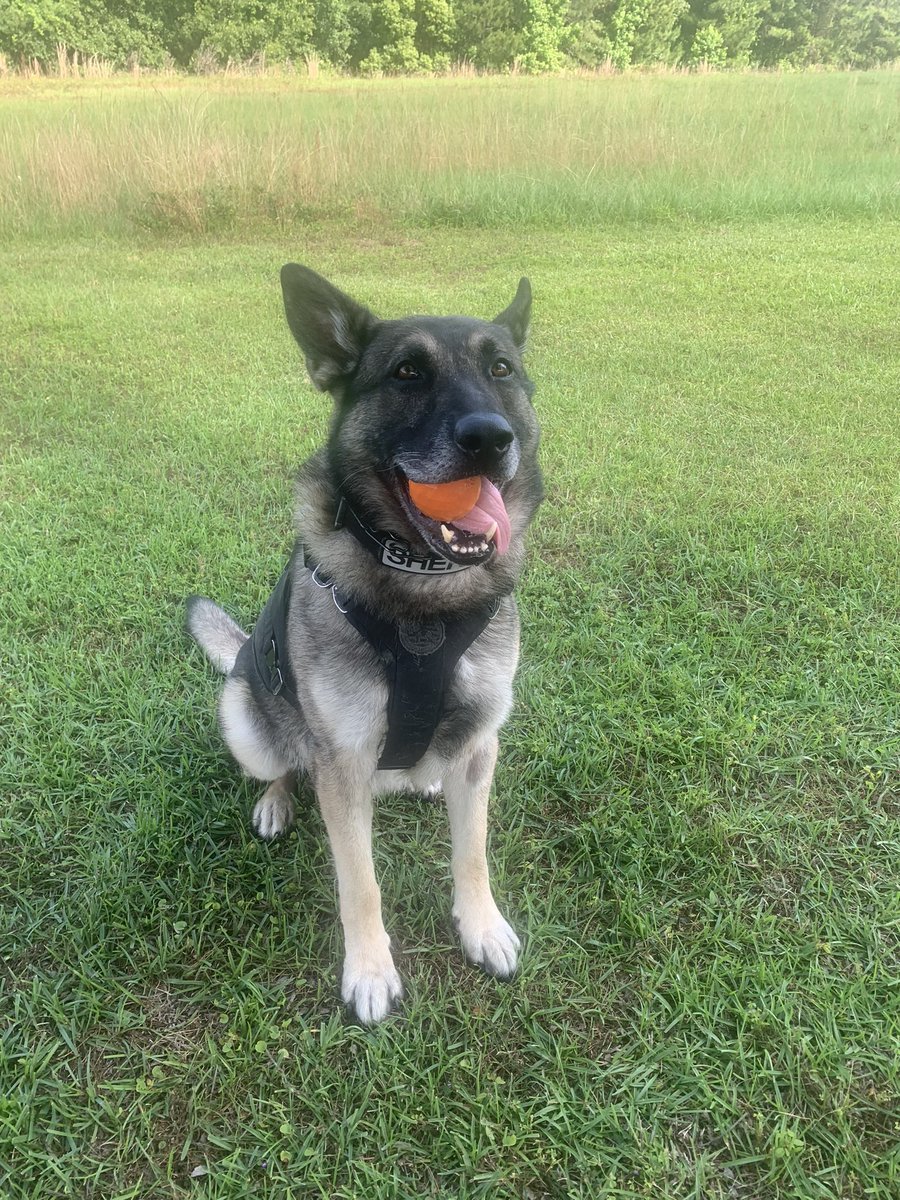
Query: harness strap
x=266, y=647
x=419, y=657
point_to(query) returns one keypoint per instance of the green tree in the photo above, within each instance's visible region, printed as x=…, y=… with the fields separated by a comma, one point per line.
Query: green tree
x=626, y=32
x=435, y=33
x=408, y=35
x=627, y=19
x=588, y=26
x=332, y=31
x=785, y=34
x=543, y=30
x=855, y=34
x=657, y=39
x=708, y=46
x=488, y=33
x=239, y=29
x=393, y=38
x=32, y=29
x=738, y=22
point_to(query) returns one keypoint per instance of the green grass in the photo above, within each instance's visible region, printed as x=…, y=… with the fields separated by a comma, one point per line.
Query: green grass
x=191, y=155
x=696, y=821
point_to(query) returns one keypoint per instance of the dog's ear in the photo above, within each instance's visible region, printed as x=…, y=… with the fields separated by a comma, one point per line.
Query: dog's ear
x=517, y=317
x=332, y=329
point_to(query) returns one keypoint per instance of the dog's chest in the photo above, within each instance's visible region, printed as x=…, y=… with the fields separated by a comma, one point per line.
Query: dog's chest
x=351, y=709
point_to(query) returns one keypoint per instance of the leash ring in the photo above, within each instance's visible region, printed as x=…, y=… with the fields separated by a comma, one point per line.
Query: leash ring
x=335, y=599
x=316, y=580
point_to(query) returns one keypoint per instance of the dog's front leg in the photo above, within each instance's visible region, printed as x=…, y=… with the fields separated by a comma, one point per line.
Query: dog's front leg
x=487, y=938
x=370, y=981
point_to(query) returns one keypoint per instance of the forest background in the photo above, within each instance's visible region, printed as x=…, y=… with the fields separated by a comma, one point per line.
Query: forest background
x=408, y=36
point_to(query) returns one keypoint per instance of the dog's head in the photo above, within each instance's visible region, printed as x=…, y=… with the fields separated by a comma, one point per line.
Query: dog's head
x=424, y=400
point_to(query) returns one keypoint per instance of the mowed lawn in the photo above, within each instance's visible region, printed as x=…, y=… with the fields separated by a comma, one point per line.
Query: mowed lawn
x=696, y=825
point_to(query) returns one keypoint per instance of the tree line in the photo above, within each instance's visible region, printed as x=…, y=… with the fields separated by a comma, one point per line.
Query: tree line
x=407, y=36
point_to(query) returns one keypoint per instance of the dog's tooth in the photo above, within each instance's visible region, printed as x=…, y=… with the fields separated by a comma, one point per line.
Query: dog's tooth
x=447, y=534
x=490, y=533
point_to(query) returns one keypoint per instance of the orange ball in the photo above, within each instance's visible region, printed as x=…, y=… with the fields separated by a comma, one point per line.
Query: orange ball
x=446, y=501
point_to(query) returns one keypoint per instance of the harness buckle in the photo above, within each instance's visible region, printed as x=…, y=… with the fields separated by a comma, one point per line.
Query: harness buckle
x=276, y=679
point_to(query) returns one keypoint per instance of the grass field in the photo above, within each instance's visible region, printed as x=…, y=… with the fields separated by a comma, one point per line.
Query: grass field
x=697, y=814
x=177, y=155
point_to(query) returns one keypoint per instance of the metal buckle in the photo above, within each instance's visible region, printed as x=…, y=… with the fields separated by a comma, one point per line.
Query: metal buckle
x=276, y=679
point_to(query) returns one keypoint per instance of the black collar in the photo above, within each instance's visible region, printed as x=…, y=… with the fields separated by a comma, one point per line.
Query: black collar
x=393, y=551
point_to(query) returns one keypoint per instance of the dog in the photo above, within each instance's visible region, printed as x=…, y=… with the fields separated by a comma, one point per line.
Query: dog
x=384, y=659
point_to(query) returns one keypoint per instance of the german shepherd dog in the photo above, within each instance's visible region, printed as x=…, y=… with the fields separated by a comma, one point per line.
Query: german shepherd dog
x=384, y=660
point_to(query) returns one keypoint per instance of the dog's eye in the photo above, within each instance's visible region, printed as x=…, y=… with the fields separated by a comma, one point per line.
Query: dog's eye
x=501, y=369
x=406, y=371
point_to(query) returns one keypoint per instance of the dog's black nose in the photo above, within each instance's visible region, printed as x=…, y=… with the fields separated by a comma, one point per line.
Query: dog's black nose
x=484, y=437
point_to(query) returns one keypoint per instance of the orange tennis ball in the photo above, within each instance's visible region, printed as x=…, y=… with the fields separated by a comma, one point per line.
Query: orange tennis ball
x=446, y=501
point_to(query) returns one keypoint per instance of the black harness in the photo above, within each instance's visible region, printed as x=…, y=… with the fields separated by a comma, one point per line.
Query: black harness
x=418, y=656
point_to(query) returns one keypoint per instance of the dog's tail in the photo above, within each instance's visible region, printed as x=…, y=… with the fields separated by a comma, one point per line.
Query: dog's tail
x=215, y=633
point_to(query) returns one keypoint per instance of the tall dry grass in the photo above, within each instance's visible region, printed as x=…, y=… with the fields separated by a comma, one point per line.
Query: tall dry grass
x=219, y=153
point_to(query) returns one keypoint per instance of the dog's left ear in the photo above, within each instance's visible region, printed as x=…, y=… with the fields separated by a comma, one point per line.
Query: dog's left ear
x=332, y=329
x=517, y=317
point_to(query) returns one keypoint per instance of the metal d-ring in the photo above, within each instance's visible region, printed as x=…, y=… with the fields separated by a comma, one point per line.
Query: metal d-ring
x=335, y=599
x=314, y=576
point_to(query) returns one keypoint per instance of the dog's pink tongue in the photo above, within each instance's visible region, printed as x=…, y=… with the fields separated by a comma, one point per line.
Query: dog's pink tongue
x=489, y=510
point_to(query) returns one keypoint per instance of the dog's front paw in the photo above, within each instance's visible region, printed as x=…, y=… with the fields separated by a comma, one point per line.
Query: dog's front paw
x=489, y=941
x=370, y=986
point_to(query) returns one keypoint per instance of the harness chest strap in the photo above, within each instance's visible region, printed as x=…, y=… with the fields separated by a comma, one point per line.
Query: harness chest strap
x=419, y=657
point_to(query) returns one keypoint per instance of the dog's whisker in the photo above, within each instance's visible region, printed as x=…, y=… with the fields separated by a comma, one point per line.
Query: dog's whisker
x=349, y=478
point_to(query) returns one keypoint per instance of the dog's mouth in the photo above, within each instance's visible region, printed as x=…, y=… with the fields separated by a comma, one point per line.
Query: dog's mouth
x=469, y=538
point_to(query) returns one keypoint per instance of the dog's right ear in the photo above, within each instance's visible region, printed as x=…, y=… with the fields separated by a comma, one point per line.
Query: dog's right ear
x=517, y=316
x=332, y=329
